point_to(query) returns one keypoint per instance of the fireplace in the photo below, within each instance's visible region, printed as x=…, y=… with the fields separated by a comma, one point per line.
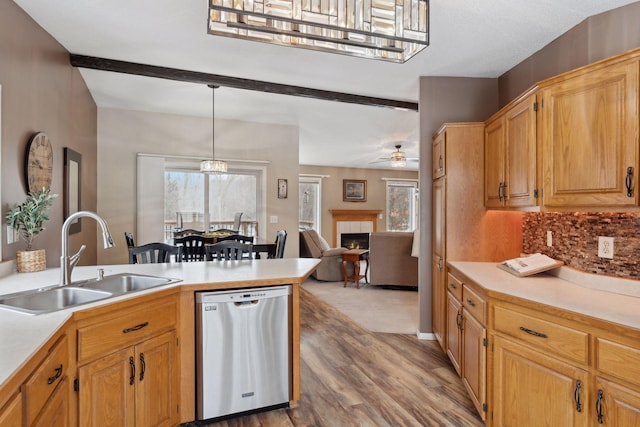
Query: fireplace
x=354, y=240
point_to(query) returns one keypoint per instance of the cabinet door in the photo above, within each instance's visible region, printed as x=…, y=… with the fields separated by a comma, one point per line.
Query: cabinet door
x=616, y=405
x=156, y=394
x=454, y=331
x=520, y=180
x=107, y=390
x=439, y=216
x=55, y=412
x=474, y=362
x=590, y=138
x=494, y=155
x=438, y=155
x=11, y=413
x=530, y=388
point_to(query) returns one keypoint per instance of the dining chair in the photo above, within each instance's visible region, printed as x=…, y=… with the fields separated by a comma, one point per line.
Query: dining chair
x=281, y=239
x=129, y=238
x=188, y=232
x=153, y=253
x=193, y=246
x=229, y=250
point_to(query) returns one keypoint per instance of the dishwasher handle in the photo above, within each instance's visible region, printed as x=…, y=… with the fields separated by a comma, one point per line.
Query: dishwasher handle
x=247, y=303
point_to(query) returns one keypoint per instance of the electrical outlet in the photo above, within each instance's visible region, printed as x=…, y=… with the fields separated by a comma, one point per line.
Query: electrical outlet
x=273, y=219
x=12, y=236
x=605, y=247
x=549, y=238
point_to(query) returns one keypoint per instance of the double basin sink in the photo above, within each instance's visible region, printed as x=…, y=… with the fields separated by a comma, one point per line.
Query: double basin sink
x=54, y=298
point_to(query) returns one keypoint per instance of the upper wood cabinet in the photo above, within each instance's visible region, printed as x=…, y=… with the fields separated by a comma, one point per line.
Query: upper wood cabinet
x=438, y=155
x=590, y=136
x=510, y=155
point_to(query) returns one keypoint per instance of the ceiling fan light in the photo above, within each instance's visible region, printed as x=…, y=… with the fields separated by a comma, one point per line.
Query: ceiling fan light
x=398, y=163
x=398, y=159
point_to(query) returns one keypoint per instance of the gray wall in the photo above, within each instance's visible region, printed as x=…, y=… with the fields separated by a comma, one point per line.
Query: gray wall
x=42, y=92
x=596, y=38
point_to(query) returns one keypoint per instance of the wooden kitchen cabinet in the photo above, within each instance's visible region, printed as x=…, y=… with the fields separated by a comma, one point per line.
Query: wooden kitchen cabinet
x=11, y=412
x=438, y=274
x=438, y=155
x=589, y=130
x=531, y=387
x=46, y=393
x=127, y=366
x=466, y=338
x=461, y=228
x=615, y=404
x=510, y=155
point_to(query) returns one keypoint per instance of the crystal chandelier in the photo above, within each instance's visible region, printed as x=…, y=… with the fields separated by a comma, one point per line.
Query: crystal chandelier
x=213, y=165
x=391, y=30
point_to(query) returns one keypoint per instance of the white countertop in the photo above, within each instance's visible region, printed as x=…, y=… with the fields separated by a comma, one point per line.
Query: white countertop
x=564, y=288
x=21, y=335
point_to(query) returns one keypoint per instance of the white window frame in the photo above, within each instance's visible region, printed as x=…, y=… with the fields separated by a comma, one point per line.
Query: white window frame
x=397, y=182
x=316, y=179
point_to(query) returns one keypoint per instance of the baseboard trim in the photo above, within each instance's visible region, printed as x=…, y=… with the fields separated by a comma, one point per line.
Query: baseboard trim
x=425, y=336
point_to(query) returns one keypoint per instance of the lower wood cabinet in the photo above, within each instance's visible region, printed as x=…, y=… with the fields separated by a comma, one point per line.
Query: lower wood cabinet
x=615, y=404
x=55, y=412
x=11, y=412
x=466, y=339
x=134, y=380
x=530, y=388
x=131, y=387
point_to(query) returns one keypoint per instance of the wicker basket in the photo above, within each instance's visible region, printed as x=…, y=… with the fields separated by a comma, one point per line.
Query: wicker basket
x=28, y=261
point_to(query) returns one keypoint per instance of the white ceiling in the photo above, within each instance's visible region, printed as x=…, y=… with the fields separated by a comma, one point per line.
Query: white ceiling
x=469, y=38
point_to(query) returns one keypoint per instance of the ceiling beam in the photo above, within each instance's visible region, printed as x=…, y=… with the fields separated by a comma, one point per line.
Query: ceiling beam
x=116, y=66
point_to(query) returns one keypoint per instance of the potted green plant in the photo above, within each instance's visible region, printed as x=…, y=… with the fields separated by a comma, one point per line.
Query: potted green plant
x=28, y=219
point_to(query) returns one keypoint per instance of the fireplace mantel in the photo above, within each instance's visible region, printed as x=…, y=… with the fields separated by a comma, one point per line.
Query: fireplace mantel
x=353, y=216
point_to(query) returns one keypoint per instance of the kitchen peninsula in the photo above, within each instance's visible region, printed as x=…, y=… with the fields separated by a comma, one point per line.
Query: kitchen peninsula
x=46, y=358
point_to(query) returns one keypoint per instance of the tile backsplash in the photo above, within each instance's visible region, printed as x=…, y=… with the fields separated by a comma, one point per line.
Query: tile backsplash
x=575, y=240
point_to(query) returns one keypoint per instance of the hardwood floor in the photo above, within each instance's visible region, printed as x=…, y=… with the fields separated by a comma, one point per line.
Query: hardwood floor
x=352, y=377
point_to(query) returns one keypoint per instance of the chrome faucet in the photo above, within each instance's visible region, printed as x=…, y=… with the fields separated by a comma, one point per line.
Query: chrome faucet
x=67, y=263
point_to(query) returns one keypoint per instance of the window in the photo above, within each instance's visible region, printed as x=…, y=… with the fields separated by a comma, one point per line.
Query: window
x=402, y=205
x=310, y=189
x=200, y=201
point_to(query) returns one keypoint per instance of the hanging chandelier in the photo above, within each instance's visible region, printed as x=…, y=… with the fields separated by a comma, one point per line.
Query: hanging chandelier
x=213, y=165
x=391, y=30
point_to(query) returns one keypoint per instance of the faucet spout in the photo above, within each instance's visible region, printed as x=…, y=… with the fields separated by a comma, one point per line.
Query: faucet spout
x=67, y=263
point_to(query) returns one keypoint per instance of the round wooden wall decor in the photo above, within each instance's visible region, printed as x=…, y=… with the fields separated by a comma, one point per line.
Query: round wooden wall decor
x=38, y=166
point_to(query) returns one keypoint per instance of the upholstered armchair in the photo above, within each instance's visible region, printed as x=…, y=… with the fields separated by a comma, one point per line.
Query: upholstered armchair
x=312, y=245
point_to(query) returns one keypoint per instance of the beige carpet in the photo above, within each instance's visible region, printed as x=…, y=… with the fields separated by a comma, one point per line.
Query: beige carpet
x=374, y=308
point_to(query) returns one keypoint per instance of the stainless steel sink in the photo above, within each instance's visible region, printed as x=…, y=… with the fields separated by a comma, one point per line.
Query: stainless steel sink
x=52, y=299
x=126, y=282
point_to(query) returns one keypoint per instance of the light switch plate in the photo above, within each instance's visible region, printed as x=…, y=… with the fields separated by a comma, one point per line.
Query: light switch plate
x=605, y=247
x=273, y=219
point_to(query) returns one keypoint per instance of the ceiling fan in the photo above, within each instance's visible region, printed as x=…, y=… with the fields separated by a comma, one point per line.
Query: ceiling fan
x=398, y=159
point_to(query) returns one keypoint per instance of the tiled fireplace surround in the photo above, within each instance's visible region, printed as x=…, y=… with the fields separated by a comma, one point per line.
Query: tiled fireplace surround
x=575, y=240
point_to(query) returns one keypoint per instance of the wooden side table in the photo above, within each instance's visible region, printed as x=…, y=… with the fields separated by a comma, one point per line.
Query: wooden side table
x=354, y=256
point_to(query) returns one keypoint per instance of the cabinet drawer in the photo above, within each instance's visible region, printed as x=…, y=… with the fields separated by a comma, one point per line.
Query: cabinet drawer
x=474, y=304
x=127, y=328
x=44, y=380
x=543, y=335
x=618, y=359
x=454, y=286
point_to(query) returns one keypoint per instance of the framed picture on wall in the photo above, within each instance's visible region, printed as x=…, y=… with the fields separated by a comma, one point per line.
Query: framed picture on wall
x=354, y=190
x=283, y=188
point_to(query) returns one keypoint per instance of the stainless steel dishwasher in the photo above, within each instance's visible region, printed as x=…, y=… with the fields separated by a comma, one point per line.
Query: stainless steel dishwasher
x=242, y=357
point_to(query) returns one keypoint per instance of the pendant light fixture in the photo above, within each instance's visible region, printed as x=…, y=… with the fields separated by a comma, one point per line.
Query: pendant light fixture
x=213, y=165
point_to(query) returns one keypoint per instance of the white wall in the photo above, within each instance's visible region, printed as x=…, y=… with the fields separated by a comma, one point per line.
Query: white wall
x=123, y=133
